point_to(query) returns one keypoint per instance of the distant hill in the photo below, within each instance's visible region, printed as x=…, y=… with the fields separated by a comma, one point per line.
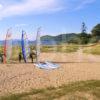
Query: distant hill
x=62, y=38
x=49, y=40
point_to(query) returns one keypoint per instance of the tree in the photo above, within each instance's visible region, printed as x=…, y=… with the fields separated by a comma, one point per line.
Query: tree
x=96, y=30
x=84, y=37
x=96, y=33
x=84, y=28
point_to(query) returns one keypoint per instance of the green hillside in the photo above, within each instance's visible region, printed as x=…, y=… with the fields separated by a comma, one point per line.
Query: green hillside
x=62, y=38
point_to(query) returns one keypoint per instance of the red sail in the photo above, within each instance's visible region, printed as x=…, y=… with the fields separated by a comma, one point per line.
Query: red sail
x=6, y=46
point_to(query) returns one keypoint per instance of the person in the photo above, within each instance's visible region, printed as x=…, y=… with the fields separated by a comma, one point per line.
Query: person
x=20, y=57
x=32, y=55
x=1, y=58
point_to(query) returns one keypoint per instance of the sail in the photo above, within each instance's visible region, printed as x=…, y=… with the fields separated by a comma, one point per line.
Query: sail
x=8, y=46
x=25, y=46
x=38, y=43
x=46, y=65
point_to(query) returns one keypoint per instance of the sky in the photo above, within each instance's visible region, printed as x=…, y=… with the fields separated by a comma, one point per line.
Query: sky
x=53, y=16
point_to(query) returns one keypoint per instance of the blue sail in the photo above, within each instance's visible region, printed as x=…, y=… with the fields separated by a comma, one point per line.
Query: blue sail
x=25, y=46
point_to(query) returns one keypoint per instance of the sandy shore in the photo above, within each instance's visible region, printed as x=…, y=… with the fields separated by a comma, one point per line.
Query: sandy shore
x=17, y=78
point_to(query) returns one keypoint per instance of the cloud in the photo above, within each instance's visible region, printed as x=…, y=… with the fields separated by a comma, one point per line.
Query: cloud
x=28, y=6
x=23, y=7
x=0, y=6
x=84, y=3
x=20, y=25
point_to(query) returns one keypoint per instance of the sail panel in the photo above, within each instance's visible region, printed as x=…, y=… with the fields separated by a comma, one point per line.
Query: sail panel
x=25, y=46
x=8, y=46
x=38, y=43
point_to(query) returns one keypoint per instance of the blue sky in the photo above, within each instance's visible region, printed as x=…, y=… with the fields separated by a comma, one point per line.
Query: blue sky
x=54, y=16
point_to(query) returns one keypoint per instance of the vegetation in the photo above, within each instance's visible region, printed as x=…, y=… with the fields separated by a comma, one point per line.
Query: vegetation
x=96, y=30
x=15, y=52
x=57, y=40
x=76, y=38
x=81, y=38
x=93, y=50
x=84, y=90
x=95, y=34
x=62, y=43
x=84, y=37
x=64, y=48
x=1, y=49
x=60, y=48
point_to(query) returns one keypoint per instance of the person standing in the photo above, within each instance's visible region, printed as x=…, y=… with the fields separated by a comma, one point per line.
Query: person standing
x=20, y=57
x=1, y=58
x=31, y=56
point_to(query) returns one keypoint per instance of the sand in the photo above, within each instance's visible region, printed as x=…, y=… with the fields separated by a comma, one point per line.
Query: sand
x=17, y=78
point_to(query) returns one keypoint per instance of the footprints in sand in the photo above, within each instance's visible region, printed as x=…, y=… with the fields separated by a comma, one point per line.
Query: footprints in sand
x=23, y=77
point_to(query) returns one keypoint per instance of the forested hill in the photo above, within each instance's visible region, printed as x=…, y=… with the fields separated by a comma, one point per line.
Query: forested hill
x=62, y=38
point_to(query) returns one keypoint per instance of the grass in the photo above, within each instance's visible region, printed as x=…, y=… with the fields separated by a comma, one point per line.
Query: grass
x=60, y=48
x=75, y=91
x=44, y=49
x=1, y=49
x=93, y=50
x=15, y=52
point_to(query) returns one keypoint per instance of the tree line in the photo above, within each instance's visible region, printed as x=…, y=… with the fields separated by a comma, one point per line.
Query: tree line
x=85, y=38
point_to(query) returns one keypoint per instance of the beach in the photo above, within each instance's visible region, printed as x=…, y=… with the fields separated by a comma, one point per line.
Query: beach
x=18, y=78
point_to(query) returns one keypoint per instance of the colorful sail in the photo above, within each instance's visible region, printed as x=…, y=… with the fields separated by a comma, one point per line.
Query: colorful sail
x=25, y=46
x=8, y=46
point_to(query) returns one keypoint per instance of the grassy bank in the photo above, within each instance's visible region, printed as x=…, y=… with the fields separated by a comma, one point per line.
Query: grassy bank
x=84, y=90
x=45, y=49
x=60, y=48
x=93, y=50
